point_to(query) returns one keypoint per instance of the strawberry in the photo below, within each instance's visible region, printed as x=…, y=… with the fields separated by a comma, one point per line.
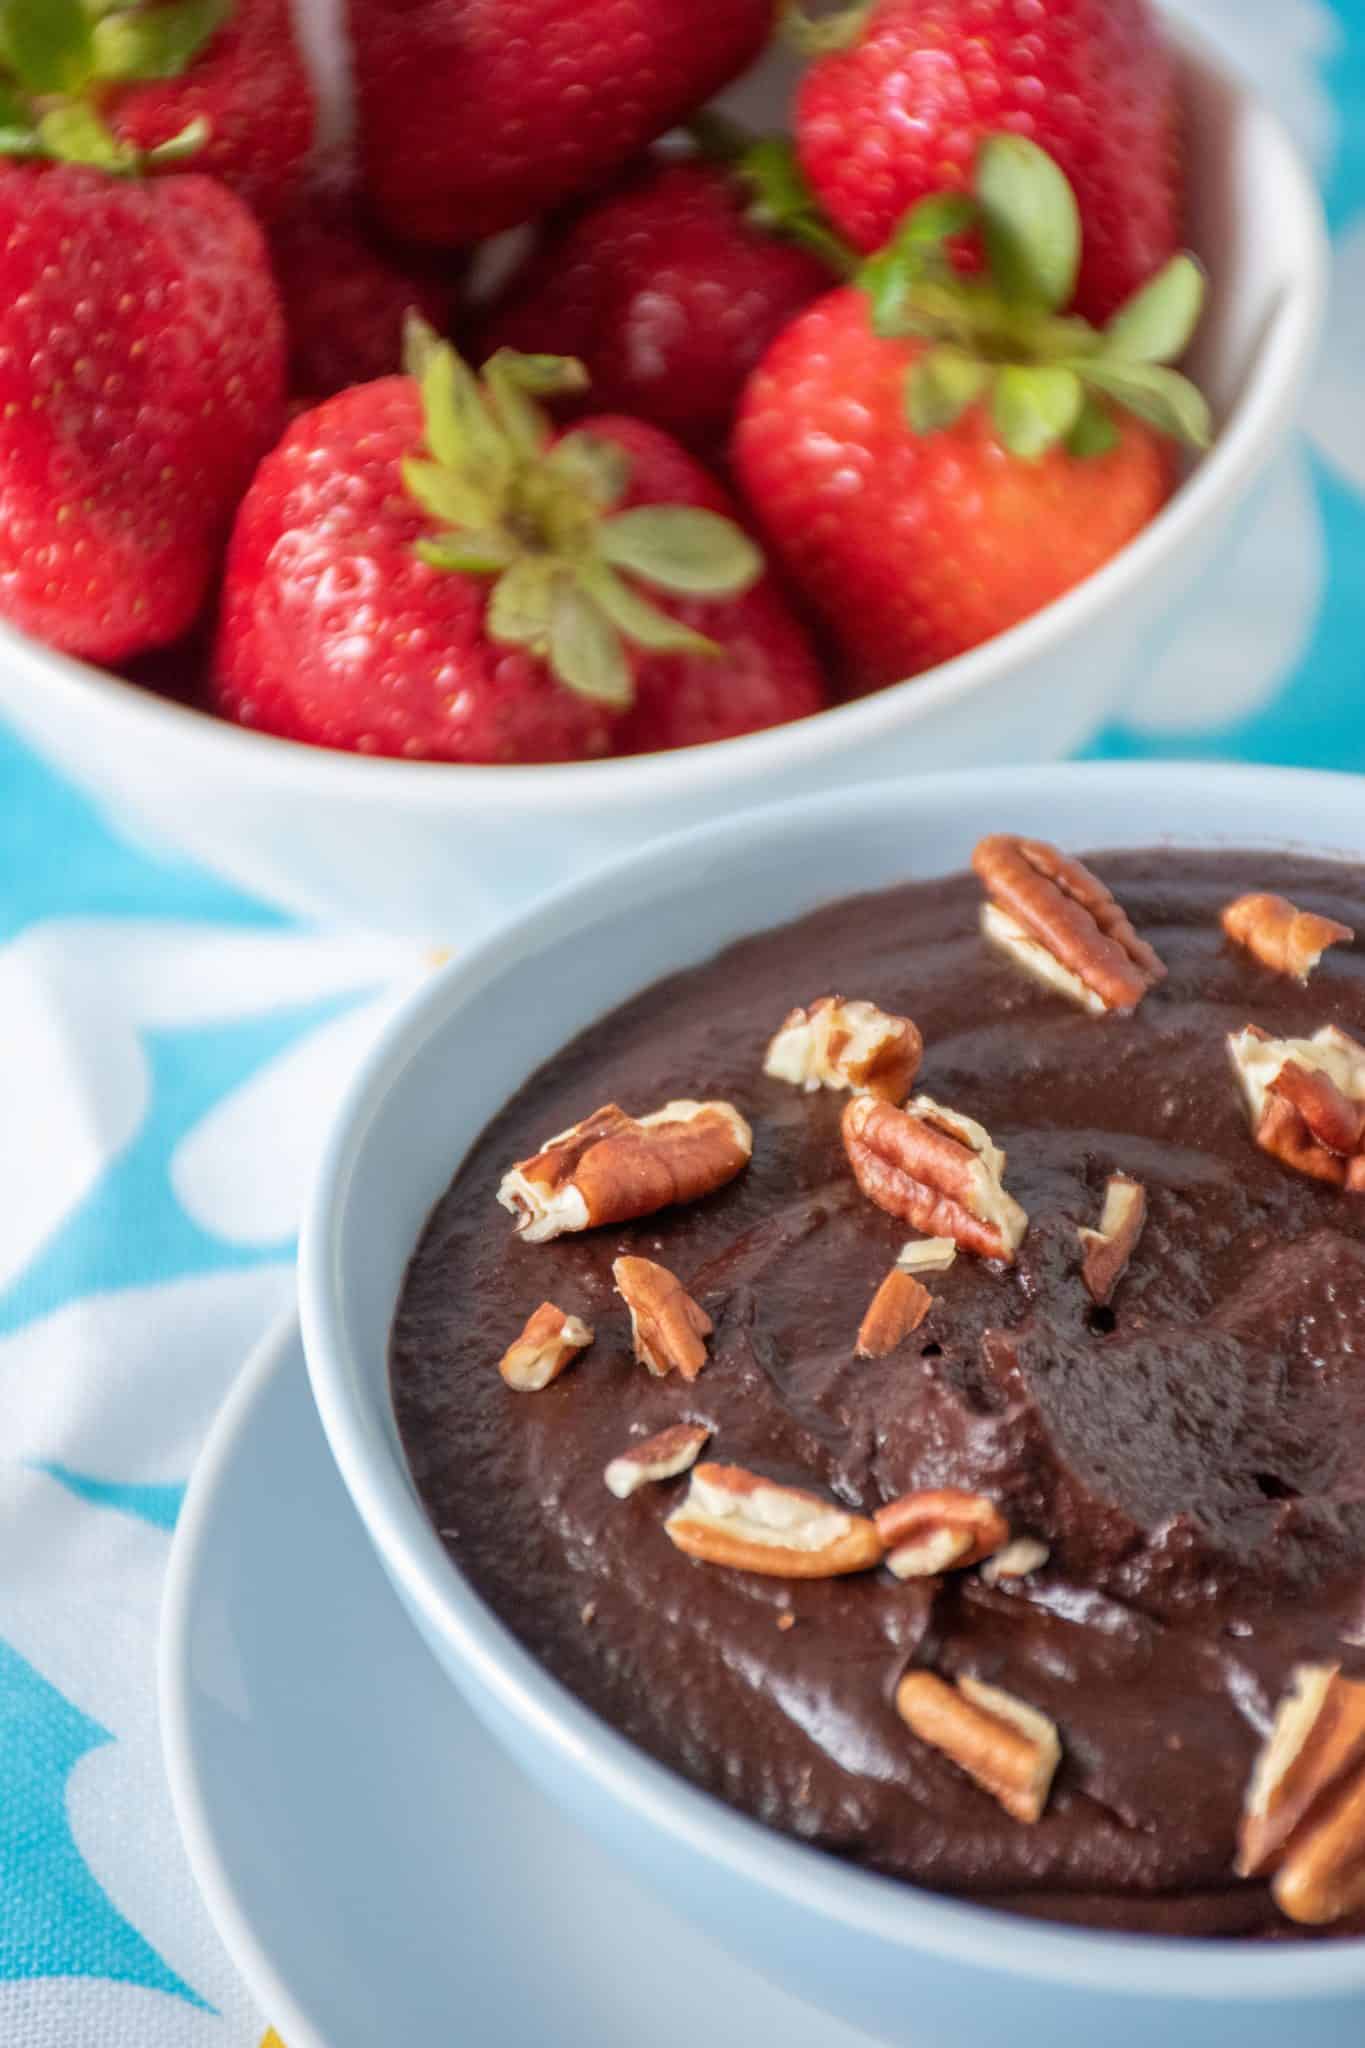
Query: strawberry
x=769, y=674
x=121, y=85
x=477, y=115
x=669, y=290
x=934, y=458
x=346, y=293
x=910, y=89
x=424, y=568
x=141, y=377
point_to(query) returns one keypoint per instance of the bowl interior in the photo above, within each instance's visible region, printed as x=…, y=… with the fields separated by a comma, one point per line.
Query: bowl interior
x=470, y=1040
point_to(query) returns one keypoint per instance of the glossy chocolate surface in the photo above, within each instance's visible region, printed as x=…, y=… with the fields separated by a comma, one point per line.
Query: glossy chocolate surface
x=1195, y=1456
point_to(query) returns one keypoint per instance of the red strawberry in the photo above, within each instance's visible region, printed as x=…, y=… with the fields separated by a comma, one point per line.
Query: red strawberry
x=768, y=676
x=141, y=378
x=902, y=110
x=934, y=458
x=249, y=84
x=121, y=85
x=518, y=631
x=476, y=115
x=668, y=290
x=346, y=293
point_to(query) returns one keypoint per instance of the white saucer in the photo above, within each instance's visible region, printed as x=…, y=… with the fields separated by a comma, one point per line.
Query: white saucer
x=379, y=1871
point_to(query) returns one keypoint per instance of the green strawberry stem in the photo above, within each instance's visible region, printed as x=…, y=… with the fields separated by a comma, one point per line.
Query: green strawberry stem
x=780, y=199
x=540, y=518
x=833, y=29
x=60, y=59
x=1005, y=338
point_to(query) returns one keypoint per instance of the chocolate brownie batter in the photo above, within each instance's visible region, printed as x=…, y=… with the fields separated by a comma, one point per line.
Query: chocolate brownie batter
x=1194, y=1455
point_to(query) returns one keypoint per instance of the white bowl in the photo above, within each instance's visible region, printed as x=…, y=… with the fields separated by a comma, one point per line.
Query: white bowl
x=443, y=851
x=909, y=1966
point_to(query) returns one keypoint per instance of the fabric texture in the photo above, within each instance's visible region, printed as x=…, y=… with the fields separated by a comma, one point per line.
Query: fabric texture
x=172, y=1052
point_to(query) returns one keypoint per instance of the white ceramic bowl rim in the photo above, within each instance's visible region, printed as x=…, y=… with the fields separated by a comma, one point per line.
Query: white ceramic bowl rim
x=894, y=1912
x=1258, y=417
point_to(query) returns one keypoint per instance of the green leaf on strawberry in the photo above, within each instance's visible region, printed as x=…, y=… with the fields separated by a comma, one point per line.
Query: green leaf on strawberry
x=586, y=651
x=1030, y=223
x=678, y=548
x=61, y=59
x=825, y=33
x=1093, y=433
x=538, y=517
x=1158, y=322
x=639, y=620
x=474, y=554
x=1162, y=397
x=49, y=45
x=1035, y=406
x=75, y=134
x=156, y=42
x=941, y=386
x=593, y=466
x=1006, y=339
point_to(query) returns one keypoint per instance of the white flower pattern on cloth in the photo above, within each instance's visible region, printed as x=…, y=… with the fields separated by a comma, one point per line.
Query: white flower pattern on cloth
x=177, y=1077
x=123, y=1384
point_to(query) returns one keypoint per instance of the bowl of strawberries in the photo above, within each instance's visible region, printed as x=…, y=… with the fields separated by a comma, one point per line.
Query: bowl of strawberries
x=581, y=421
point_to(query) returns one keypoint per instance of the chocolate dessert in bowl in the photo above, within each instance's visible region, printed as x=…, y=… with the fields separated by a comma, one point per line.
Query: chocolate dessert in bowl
x=929, y=1417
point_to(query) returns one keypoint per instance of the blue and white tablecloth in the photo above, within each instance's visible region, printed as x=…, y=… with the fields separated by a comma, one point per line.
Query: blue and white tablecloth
x=169, y=1052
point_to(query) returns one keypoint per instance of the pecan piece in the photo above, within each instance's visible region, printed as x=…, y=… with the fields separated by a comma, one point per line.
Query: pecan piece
x=667, y=1328
x=1009, y=1748
x=613, y=1167
x=927, y=1255
x=835, y=1044
x=899, y=1306
x=936, y=1170
x=1108, y=1249
x=1332, y=1118
x=1024, y=1555
x=943, y=1531
x=1060, y=922
x=549, y=1344
x=732, y=1517
x=1304, y=1816
x=659, y=1457
x=1307, y=1100
x=1282, y=936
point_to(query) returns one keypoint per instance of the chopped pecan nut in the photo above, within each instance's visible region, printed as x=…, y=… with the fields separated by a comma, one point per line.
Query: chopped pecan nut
x=936, y=1170
x=899, y=1306
x=1290, y=940
x=927, y=1255
x=549, y=1343
x=1307, y=1100
x=664, y=1456
x=943, y=1531
x=613, y=1167
x=835, y=1044
x=667, y=1328
x=1062, y=924
x=1332, y=1118
x=1026, y=1554
x=1322, y=1877
x=732, y=1517
x=1108, y=1249
x=1314, y=1749
x=1010, y=1749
